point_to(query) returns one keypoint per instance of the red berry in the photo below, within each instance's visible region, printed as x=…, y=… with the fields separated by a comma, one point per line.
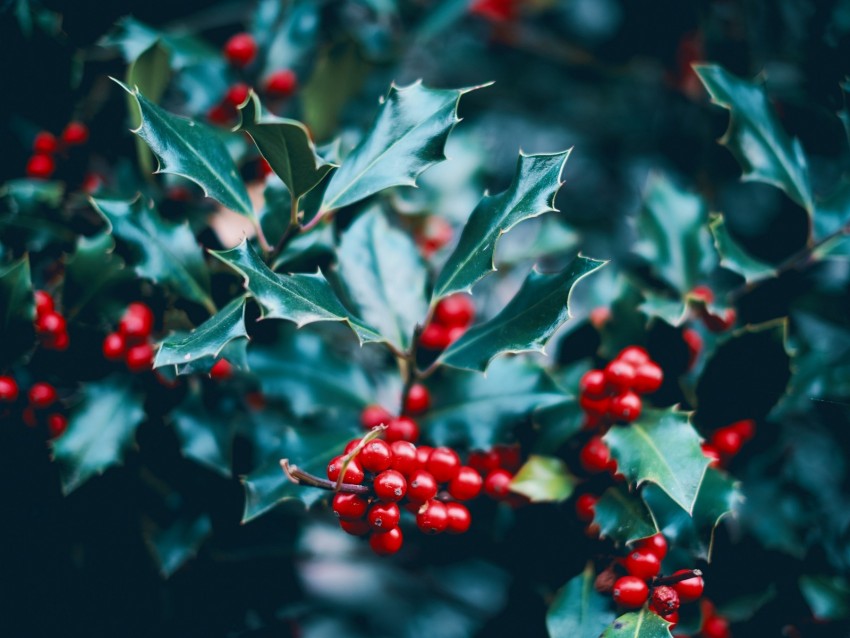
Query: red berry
x=497, y=484
x=383, y=517
x=8, y=390
x=51, y=323
x=390, y=485
x=466, y=484
x=353, y=473
x=655, y=544
x=433, y=518
x=673, y=619
x=455, y=333
x=43, y=303
x=594, y=407
x=434, y=337
x=664, y=601
x=509, y=457
x=349, y=447
x=458, y=518
x=56, y=424
x=635, y=355
x=418, y=399
x=139, y=358
x=443, y=464
x=40, y=166
x=221, y=114
x=45, y=142
x=726, y=441
x=137, y=322
x=113, y=346
x=437, y=233
x=599, y=317
x=402, y=428
x=373, y=416
x=648, y=378
x=359, y=527
x=483, y=462
x=717, y=323
x=585, y=506
x=240, y=49
x=58, y=341
x=693, y=340
x=630, y=591
x=281, y=83
x=75, y=133
x=422, y=454
x=593, y=384
x=625, y=407
x=349, y=507
x=746, y=429
x=715, y=627
x=595, y=455
x=386, y=543
x=455, y=311
x=620, y=375
x=703, y=294
x=376, y=456
x=237, y=93
x=222, y=370
x=689, y=590
x=42, y=395
x=404, y=458
x=711, y=454
x=643, y=564
x=421, y=487
x=494, y=10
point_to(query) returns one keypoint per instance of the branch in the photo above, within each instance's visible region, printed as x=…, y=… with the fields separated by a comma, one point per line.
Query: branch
x=300, y=477
x=676, y=578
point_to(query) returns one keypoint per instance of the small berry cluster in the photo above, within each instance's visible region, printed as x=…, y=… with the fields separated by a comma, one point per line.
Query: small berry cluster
x=42, y=163
x=727, y=441
x=432, y=234
x=714, y=625
x=703, y=296
x=497, y=467
x=131, y=342
x=49, y=324
x=451, y=319
x=41, y=408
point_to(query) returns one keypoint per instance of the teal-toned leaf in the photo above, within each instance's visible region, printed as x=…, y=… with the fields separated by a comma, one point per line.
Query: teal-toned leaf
x=27, y=194
x=100, y=431
x=661, y=447
x=206, y=436
x=407, y=137
x=543, y=479
x=827, y=596
x=622, y=516
x=175, y=545
x=735, y=258
x=578, y=610
x=133, y=37
x=286, y=145
x=556, y=424
x=193, y=150
x=207, y=340
x=149, y=73
x=167, y=253
x=17, y=310
x=756, y=137
x=638, y=624
x=303, y=299
x=526, y=323
x=532, y=193
x=468, y=408
x=91, y=273
x=831, y=222
x=385, y=277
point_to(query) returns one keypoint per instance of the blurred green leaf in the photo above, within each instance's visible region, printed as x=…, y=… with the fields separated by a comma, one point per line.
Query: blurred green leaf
x=92, y=273
x=827, y=596
x=176, y=544
x=206, y=436
x=543, y=479
x=638, y=624
x=578, y=610
x=149, y=73
x=18, y=311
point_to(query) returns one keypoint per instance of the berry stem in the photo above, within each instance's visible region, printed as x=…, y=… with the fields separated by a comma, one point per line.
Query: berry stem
x=292, y=229
x=300, y=477
x=676, y=578
x=373, y=434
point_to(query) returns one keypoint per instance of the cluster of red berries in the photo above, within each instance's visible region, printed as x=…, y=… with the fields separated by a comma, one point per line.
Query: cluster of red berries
x=727, y=441
x=451, y=319
x=50, y=326
x=131, y=342
x=703, y=296
x=41, y=408
x=432, y=234
x=42, y=162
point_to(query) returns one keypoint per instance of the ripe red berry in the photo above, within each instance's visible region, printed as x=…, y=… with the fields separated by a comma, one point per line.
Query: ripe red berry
x=643, y=564
x=390, y=485
x=433, y=518
x=418, y=399
x=437, y=232
x=454, y=333
x=593, y=384
x=483, y=462
x=376, y=456
x=240, y=49
x=422, y=454
x=222, y=370
x=113, y=346
x=455, y=311
x=75, y=133
x=585, y=506
x=43, y=303
x=664, y=601
x=715, y=627
x=635, y=355
x=50, y=323
x=497, y=484
x=353, y=473
x=421, y=487
x=655, y=544
x=443, y=464
x=56, y=424
x=693, y=340
x=673, y=619
x=720, y=323
x=711, y=453
x=383, y=517
x=139, y=358
x=594, y=407
x=402, y=428
x=746, y=429
x=58, y=341
x=40, y=166
x=360, y=527
x=703, y=294
x=630, y=591
x=8, y=390
x=648, y=378
x=509, y=457
x=726, y=441
x=434, y=337
x=349, y=507
x=620, y=375
x=281, y=83
x=237, y=94
x=404, y=458
x=599, y=316
x=386, y=543
x=466, y=484
x=595, y=456
x=373, y=416
x=625, y=407
x=42, y=395
x=458, y=518
x=689, y=590
x=137, y=322
x=221, y=114
x=44, y=142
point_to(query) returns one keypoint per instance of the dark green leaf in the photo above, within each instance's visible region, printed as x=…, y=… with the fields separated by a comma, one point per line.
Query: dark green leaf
x=622, y=517
x=638, y=624
x=176, y=544
x=543, y=479
x=532, y=193
x=28, y=194
x=831, y=220
x=556, y=423
x=827, y=596
x=735, y=258
x=578, y=610
x=149, y=73
x=205, y=436
x=526, y=323
x=18, y=311
x=91, y=272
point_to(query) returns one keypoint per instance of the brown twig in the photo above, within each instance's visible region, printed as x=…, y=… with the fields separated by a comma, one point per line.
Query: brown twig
x=300, y=477
x=676, y=578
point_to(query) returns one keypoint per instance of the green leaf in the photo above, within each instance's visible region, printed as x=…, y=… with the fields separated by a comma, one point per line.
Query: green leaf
x=300, y=298
x=638, y=624
x=831, y=221
x=662, y=447
x=286, y=146
x=178, y=543
x=735, y=258
x=193, y=150
x=526, y=323
x=385, y=276
x=206, y=436
x=100, y=431
x=622, y=517
x=532, y=193
x=407, y=137
x=756, y=137
x=578, y=610
x=556, y=424
x=149, y=73
x=827, y=596
x=207, y=340
x=18, y=311
x=543, y=479
x=167, y=253
x=92, y=272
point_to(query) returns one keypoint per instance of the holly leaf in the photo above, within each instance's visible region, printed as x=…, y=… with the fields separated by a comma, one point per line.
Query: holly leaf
x=207, y=340
x=301, y=298
x=100, y=431
x=91, y=272
x=735, y=258
x=18, y=311
x=286, y=145
x=407, y=137
x=385, y=276
x=831, y=221
x=206, y=436
x=578, y=610
x=556, y=424
x=827, y=596
x=638, y=624
x=526, y=323
x=531, y=194
x=756, y=137
x=167, y=253
x=468, y=408
x=661, y=447
x=622, y=517
x=150, y=73
x=176, y=544
x=543, y=479
x=192, y=150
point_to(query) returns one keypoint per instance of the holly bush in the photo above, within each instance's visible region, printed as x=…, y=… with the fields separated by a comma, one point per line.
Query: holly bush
x=273, y=314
